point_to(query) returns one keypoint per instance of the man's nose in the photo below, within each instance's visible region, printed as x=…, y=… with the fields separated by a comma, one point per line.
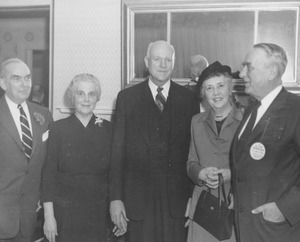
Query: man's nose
x=163, y=63
x=243, y=72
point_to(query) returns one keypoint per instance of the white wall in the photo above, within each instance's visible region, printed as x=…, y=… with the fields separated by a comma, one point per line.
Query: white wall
x=86, y=38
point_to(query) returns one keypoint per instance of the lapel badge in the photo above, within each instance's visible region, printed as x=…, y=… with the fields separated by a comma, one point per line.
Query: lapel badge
x=257, y=151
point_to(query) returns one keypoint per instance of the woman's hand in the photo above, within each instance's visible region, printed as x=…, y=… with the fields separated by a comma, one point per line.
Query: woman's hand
x=209, y=177
x=50, y=228
x=226, y=173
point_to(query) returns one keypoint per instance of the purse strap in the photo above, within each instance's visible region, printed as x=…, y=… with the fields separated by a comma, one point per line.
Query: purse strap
x=221, y=187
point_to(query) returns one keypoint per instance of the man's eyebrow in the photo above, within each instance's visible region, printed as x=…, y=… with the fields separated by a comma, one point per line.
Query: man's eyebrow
x=29, y=75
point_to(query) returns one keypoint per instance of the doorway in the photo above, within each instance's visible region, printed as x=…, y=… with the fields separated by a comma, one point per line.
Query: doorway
x=25, y=34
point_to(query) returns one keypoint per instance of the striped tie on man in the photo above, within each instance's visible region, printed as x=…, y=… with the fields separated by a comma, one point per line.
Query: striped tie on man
x=160, y=100
x=26, y=133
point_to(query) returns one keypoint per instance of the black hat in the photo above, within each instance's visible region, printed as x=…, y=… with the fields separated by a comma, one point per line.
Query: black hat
x=214, y=68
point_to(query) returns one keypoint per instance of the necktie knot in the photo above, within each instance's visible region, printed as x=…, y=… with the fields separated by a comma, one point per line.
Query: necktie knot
x=257, y=104
x=159, y=89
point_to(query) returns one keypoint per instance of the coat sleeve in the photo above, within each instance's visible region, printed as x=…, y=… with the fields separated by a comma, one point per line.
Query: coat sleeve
x=117, y=150
x=193, y=163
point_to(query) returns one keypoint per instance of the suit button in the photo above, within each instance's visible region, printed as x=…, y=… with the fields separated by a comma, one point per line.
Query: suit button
x=22, y=195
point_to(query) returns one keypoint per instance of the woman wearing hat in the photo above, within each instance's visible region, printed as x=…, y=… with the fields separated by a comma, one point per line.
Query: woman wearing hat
x=211, y=134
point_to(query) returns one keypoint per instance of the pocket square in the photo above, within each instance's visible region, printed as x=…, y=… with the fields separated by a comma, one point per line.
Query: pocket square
x=45, y=136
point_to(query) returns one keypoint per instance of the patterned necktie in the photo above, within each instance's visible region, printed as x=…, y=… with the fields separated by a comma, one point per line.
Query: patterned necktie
x=160, y=100
x=26, y=133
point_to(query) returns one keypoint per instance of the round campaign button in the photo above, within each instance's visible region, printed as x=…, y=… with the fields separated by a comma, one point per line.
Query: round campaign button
x=257, y=151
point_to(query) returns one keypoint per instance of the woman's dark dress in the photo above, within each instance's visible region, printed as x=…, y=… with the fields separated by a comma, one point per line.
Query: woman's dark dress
x=75, y=178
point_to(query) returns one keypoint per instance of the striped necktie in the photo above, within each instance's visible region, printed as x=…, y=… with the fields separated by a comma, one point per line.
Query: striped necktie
x=160, y=100
x=26, y=133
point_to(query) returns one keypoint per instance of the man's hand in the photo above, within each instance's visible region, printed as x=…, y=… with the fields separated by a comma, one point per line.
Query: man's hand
x=188, y=206
x=270, y=212
x=231, y=205
x=118, y=217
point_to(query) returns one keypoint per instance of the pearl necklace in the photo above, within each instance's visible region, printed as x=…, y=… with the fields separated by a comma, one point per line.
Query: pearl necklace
x=219, y=118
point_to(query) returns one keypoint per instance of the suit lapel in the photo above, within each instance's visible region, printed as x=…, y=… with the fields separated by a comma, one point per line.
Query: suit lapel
x=36, y=127
x=269, y=116
x=174, y=99
x=236, y=136
x=210, y=120
x=8, y=122
x=141, y=101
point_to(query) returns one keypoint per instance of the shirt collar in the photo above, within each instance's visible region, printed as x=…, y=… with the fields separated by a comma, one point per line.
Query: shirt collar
x=267, y=100
x=165, y=91
x=13, y=105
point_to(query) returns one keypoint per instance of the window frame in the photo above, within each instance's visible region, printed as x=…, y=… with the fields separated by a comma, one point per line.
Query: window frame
x=130, y=8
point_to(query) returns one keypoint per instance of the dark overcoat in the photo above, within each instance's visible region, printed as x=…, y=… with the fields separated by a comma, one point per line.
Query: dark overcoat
x=129, y=171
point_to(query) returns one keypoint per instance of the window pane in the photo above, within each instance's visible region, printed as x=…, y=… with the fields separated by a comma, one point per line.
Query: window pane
x=279, y=27
x=219, y=36
x=148, y=27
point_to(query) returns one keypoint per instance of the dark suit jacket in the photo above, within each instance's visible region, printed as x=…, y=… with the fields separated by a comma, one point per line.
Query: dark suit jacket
x=130, y=149
x=274, y=178
x=20, y=178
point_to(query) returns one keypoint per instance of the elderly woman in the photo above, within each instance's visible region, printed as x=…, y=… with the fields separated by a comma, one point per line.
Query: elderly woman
x=211, y=136
x=74, y=185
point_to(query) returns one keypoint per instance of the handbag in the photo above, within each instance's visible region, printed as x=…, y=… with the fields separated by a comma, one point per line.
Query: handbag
x=212, y=213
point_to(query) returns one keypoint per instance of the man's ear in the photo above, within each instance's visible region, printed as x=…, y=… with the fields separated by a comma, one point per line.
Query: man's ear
x=146, y=61
x=273, y=72
x=2, y=83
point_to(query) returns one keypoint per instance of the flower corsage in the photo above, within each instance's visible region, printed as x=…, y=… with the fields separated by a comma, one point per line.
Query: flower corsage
x=39, y=118
x=99, y=121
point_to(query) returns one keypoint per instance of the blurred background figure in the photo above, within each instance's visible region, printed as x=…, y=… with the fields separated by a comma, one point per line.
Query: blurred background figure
x=37, y=94
x=197, y=64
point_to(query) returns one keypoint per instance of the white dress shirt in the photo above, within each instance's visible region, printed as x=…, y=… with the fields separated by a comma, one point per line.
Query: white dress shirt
x=265, y=103
x=15, y=112
x=165, y=91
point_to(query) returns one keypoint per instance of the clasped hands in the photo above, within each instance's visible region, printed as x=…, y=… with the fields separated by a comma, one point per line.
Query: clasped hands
x=118, y=217
x=209, y=175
